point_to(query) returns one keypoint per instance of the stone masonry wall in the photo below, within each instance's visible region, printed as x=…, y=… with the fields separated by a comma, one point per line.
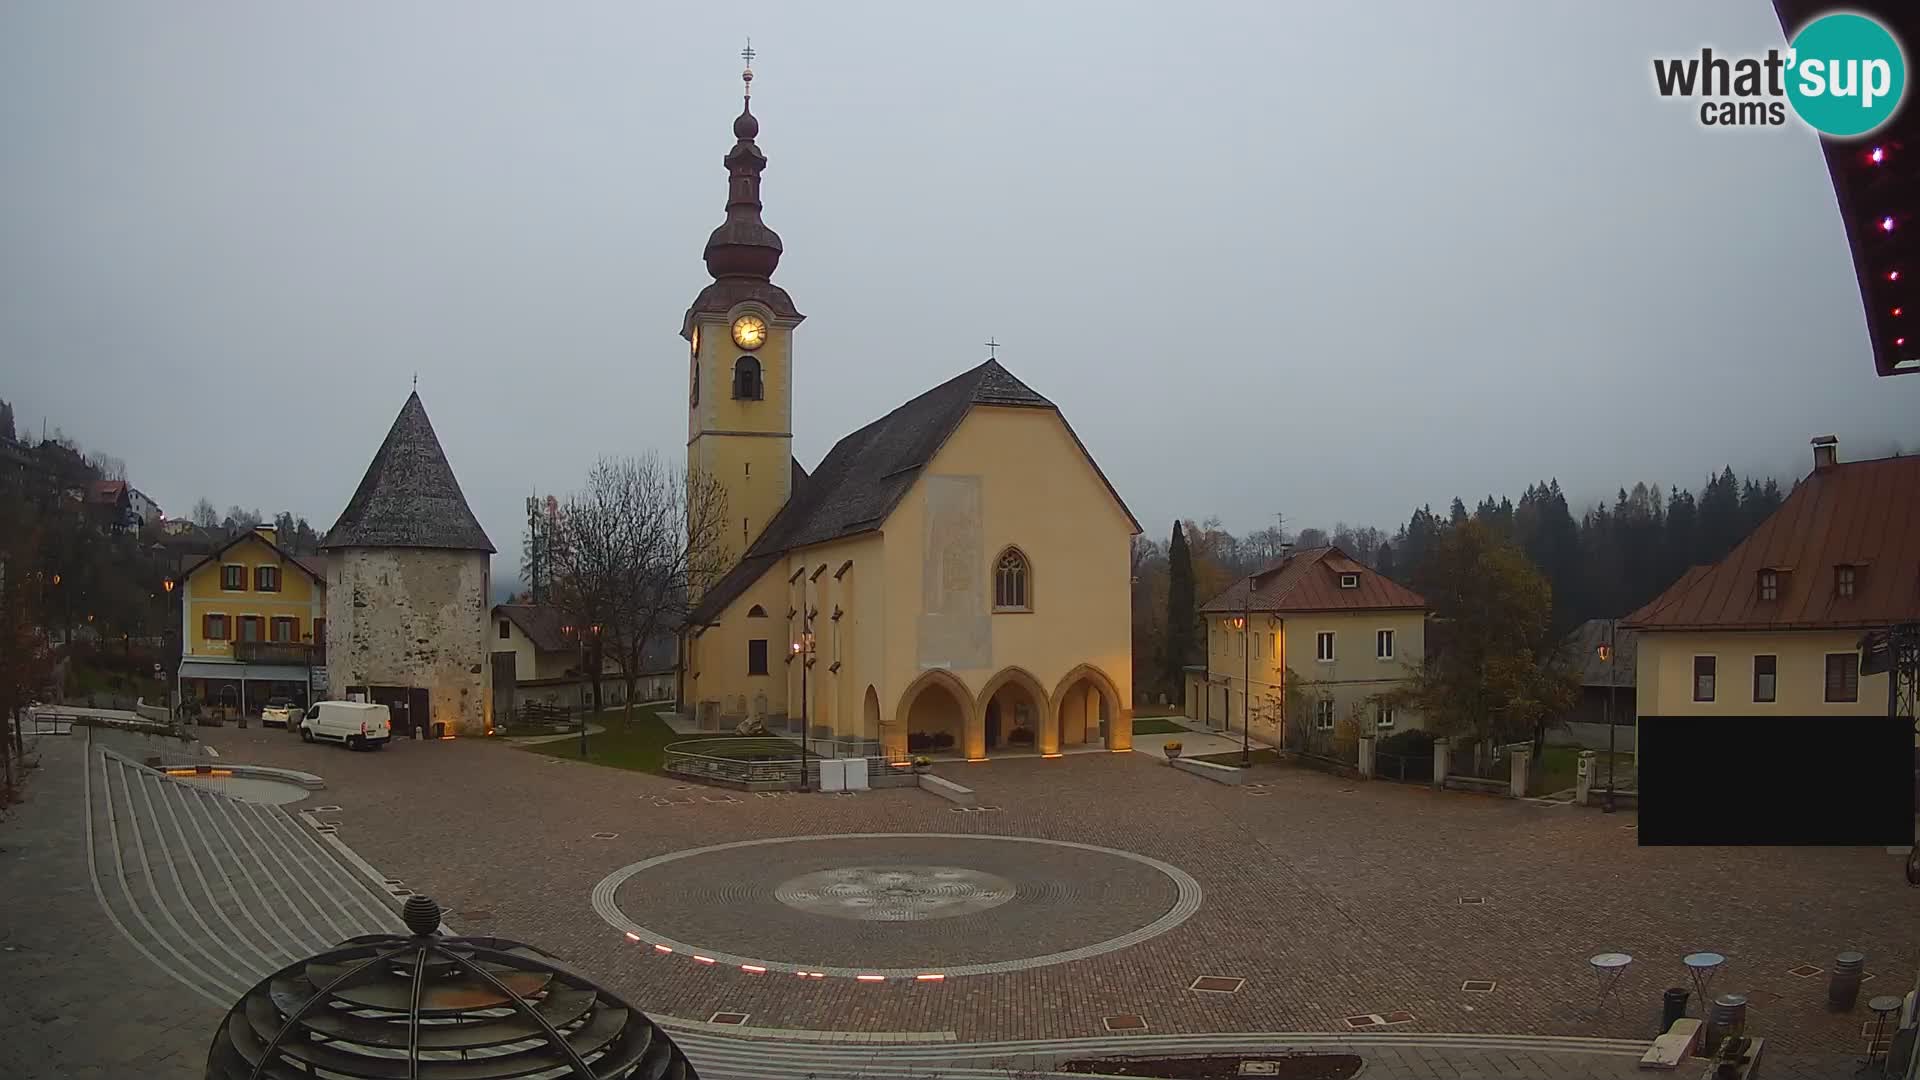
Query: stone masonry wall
x=412, y=617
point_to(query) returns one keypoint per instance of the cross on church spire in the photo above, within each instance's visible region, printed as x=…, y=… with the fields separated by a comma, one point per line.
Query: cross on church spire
x=992, y=346
x=746, y=76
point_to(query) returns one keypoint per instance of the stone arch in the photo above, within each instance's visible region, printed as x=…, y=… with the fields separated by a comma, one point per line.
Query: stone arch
x=1072, y=691
x=963, y=721
x=1006, y=685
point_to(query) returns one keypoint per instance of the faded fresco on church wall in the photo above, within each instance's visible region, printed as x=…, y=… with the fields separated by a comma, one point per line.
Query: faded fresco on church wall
x=955, y=631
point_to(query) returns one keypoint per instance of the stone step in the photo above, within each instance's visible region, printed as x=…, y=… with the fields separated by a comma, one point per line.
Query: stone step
x=218, y=891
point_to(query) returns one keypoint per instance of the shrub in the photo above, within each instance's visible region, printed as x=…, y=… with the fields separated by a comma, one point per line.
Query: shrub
x=1414, y=743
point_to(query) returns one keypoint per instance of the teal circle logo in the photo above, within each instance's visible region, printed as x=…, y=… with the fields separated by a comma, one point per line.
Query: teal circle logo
x=1847, y=74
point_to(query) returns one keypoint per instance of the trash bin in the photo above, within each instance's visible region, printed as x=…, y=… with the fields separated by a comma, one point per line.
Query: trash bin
x=1673, y=1006
x=1726, y=1019
x=1844, y=989
x=440, y=730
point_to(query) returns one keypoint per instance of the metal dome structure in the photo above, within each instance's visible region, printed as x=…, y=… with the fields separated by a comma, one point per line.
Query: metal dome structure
x=398, y=1007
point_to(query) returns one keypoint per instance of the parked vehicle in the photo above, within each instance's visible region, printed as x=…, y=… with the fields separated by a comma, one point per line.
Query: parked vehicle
x=356, y=724
x=279, y=712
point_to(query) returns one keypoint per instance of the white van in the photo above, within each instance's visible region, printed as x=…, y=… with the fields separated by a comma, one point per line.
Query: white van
x=358, y=724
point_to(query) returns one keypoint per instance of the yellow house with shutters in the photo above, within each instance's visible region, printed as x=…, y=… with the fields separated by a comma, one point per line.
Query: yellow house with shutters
x=252, y=625
x=952, y=578
x=1346, y=632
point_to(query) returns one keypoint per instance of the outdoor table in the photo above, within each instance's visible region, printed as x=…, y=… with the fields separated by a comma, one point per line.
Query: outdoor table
x=1607, y=969
x=1883, y=1007
x=1702, y=967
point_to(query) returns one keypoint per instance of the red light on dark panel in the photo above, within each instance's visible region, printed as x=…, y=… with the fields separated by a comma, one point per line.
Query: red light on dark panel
x=1886, y=223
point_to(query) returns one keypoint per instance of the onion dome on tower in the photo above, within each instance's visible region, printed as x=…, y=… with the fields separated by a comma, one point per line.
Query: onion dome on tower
x=743, y=252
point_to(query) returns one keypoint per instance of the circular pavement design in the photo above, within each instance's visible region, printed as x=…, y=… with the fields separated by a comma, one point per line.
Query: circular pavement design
x=896, y=904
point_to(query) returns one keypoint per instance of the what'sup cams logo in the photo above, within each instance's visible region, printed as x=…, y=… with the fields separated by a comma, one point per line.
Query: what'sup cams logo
x=1843, y=74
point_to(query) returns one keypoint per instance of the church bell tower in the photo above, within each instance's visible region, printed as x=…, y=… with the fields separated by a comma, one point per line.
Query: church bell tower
x=739, y=334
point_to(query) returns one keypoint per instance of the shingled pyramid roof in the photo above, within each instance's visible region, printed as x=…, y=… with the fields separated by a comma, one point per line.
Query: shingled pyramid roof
x=866, y=474
x=409, y=497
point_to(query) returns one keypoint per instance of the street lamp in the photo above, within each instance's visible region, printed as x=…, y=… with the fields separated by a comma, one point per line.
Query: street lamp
x=1246, y=683
x=1609, y=654
x=804, y=650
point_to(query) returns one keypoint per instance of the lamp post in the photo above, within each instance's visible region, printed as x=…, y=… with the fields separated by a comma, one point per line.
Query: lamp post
x=804, y=650
x=1246, y=683
x=173, y=677
x=1609, y=655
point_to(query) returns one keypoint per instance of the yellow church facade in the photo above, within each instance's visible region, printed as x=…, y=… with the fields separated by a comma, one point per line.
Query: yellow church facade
x=951, y=579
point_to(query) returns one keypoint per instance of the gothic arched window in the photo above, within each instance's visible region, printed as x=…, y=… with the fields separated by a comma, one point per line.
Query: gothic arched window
x=756, y=612
x=746, y=379
x=1012, y=582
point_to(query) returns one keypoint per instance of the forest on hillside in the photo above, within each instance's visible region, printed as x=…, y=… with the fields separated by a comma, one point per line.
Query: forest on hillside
x=1603, y=563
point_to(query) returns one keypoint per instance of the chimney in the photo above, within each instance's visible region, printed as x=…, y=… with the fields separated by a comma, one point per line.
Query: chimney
x=1826, y=452
x=267, y=533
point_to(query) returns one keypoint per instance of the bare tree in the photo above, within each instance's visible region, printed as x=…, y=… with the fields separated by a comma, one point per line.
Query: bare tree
x=108, y=466
x=682, y=551
x=204, y=514
x=629, y=552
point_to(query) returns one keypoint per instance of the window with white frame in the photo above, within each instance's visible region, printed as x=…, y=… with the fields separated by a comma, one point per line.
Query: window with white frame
x=1383, y=644
x=1383, y=717
x=1323, y=714
x=1323, y=646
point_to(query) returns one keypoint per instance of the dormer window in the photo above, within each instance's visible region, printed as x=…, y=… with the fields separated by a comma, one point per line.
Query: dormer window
x=1349, y=581
x=1844, y=579
x=1769, y=584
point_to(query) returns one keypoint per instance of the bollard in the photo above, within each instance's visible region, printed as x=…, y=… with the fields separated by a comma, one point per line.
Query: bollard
x=418, y=734
x=1673, y=1006
x=1844, y=989
x=1726, y=1019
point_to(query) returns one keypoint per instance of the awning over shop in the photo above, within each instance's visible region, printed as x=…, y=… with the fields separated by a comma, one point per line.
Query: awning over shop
x=206, y=669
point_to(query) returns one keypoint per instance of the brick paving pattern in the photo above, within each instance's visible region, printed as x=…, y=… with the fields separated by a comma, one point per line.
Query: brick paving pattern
x=1330, y=902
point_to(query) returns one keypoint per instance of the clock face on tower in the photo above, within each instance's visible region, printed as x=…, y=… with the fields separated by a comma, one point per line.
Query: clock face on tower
x=749, y=332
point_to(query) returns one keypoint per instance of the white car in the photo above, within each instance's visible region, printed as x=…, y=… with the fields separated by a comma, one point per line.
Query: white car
x=279, y=713
x=357, y=724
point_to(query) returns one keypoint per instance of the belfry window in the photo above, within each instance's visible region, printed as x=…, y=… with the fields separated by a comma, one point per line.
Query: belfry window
x=746, y=379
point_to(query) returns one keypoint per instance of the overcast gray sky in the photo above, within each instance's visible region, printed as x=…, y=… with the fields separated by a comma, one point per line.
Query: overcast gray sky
x=1333, y=260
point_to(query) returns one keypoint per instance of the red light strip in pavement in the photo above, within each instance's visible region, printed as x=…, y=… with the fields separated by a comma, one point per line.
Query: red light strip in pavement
x=762, y=969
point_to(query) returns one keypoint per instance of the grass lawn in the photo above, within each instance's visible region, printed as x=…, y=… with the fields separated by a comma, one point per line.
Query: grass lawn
x=642, y=744
x=1153, y=725
x=1559, y=766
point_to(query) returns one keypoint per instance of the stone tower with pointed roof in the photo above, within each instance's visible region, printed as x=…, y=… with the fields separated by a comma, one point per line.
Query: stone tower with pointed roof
x=951, y=578
x=408, y=568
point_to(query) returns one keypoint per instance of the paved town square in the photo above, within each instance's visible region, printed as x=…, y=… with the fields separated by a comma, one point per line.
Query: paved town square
x=1102, y=898
x=1106, y=887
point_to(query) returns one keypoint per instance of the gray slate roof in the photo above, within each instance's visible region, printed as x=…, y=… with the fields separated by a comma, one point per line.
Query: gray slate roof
x=867, y=473
x=409, y=498
x=1583, y=652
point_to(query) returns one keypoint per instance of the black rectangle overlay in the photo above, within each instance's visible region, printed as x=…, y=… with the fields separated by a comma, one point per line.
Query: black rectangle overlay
x=1776, y=780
